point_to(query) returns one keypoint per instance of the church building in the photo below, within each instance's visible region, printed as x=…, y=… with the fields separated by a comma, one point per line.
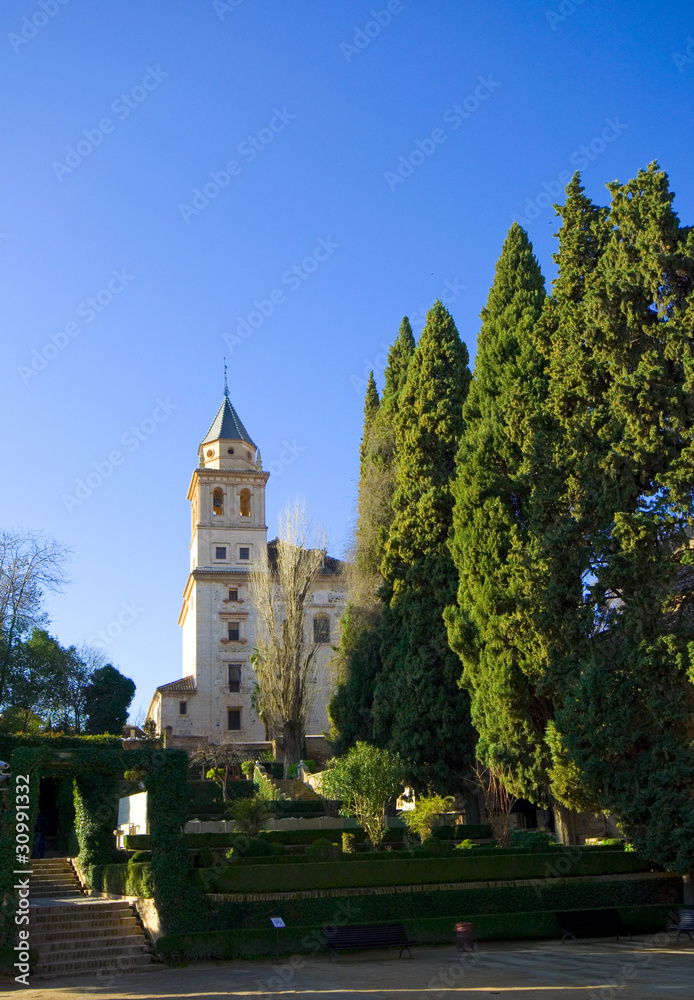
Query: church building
x=213, y=700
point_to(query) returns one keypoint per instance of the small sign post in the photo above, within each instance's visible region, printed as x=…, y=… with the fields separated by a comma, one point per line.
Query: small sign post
x=277, y=922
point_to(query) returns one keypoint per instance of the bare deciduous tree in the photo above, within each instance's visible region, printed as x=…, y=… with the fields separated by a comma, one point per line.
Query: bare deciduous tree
x=285, y=642
x=30, y=565
x=498, y=800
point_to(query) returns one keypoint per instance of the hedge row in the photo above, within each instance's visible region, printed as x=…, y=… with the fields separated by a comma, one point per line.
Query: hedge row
x=131, y=879
x=382, y=871
x=394, y=835
x=205, y=797
x=552, y=894
x=177, y=948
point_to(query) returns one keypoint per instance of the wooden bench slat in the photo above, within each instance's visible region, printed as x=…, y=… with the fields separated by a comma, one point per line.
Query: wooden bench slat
x=591, y=922
x=357, y=937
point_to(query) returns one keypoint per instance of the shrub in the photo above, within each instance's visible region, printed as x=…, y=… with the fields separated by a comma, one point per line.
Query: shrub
x=141, y=856
x=432, y=847
x=538, y=839
x=247, y=768
x=325, y=850
x=365, y=780
x=348, y=843
x=254, y=847
x=250, y=815
x=423, y=818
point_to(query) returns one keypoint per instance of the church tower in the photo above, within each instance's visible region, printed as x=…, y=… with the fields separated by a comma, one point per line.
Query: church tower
x=212, y=701
x=227, y=498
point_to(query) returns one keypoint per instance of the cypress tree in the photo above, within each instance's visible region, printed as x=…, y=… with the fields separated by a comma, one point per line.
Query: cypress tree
x=625, y=405
x=419, y=710
x=358, y=659
x=492, y=517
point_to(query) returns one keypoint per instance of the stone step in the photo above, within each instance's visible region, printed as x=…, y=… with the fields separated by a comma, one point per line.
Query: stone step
x=49, y=949
x=58, y=892
x=50, y=937
x=62, y=879
x=100, y=906
x=77, y=921
x=68, y=967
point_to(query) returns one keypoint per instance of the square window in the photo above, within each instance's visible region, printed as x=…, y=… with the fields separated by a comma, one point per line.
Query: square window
x=235, y=676
x=220, y=552
x=234, y=632
x=183, y=708
x=234, y=718
x=233, y=595
x=321, y=628
x=244, y=552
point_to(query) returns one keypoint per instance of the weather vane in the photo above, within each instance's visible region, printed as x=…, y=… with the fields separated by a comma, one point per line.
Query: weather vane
x=226, y=387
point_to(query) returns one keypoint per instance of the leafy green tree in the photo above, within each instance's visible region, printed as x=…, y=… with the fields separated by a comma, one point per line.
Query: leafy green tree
x=30, y=565
x=419, y=710
x=492, y=519
x=107, y=699
x=366, y=779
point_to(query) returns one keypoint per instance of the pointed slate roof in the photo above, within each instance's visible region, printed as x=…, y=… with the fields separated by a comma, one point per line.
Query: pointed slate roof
x=227, y=425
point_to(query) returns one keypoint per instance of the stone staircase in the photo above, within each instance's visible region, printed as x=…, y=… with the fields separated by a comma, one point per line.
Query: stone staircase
x=54, y=878
x=74, y=933
x=292, y=788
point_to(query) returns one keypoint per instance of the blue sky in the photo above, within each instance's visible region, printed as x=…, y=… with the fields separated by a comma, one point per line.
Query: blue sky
x=190, y=179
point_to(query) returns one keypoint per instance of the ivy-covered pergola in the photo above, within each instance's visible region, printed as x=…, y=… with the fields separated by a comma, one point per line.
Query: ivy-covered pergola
x=95, y=764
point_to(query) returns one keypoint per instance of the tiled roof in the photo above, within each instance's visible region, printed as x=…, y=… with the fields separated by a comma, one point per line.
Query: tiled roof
x=184, y=684
x=227, y=425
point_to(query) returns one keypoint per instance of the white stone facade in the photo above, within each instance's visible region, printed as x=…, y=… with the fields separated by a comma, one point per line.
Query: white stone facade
x=213, y=698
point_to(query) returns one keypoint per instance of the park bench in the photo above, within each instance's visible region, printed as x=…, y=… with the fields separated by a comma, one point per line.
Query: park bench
x=591, y=923
x=685, y=925
x=356, y=938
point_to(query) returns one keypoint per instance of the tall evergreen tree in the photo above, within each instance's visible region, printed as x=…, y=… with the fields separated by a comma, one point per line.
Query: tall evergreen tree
x=623, y=399
x=419, y=710
x=492, y=516
x=358, y=660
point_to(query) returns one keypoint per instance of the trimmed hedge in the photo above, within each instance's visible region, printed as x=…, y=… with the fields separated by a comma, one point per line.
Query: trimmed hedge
x=458, y=831
x=291, y=808
x=379, y=871
x=551, y=894
x=131, y=879
x=229, y=944
x=204, y=797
